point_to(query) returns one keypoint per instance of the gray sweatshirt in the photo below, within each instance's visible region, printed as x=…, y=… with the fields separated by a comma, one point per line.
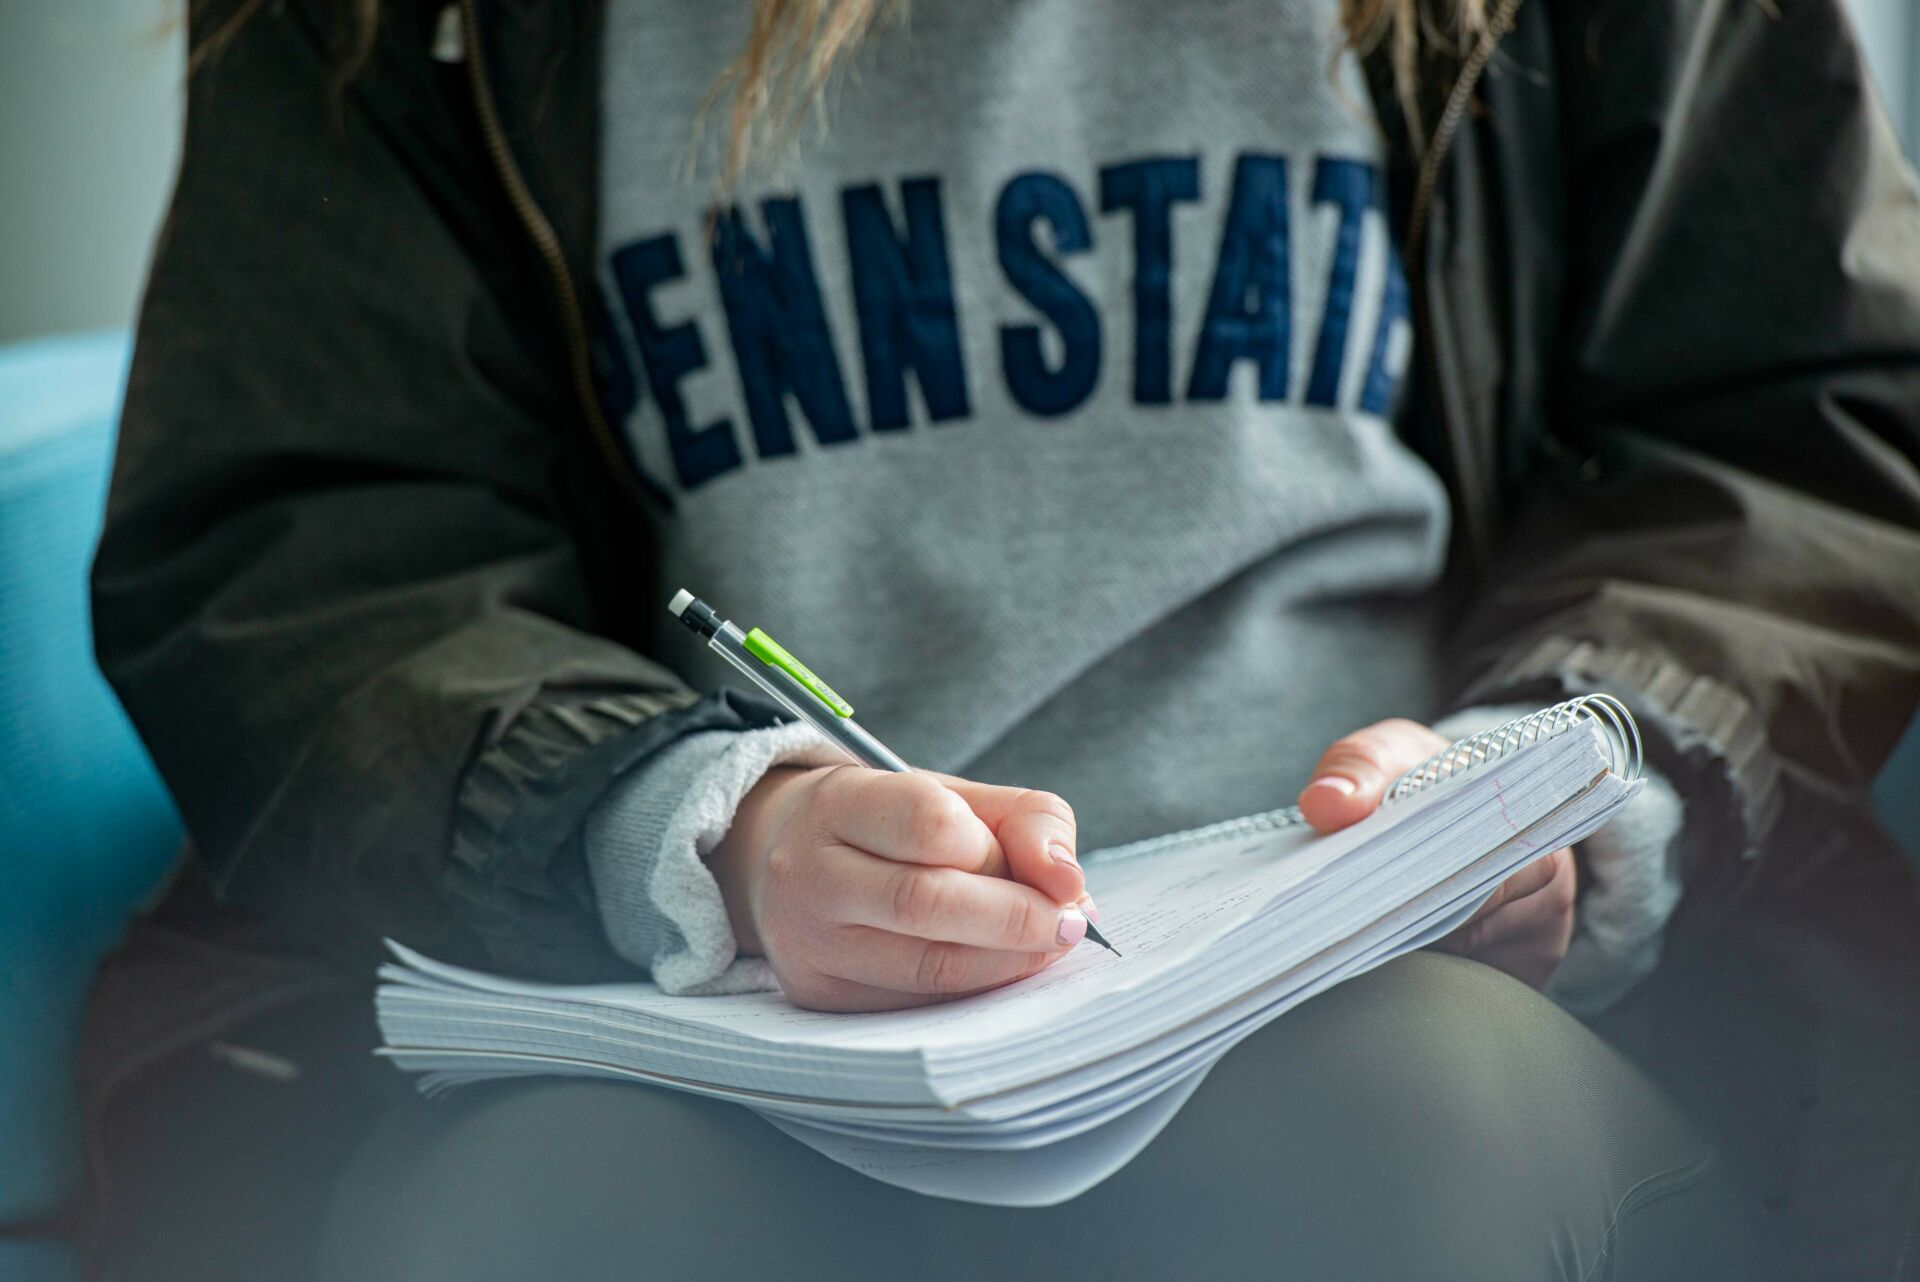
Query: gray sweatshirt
x=1043, y=401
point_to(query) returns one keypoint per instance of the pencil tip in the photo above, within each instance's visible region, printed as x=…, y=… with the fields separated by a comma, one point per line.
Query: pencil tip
x=1094, y=934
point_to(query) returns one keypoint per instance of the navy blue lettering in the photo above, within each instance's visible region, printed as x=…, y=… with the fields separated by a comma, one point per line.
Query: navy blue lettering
x=781, y=341
x=668, y=353
x=614, y=384
x=1376, y=397
x=1149, y=189
x=1025, y=201
x=612, y=376
x=1250, y=308
x=903, y=295
x=1349, y=185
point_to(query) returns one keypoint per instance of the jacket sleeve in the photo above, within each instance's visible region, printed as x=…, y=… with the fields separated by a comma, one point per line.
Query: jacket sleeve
x=1731, y=533
x=339, y=591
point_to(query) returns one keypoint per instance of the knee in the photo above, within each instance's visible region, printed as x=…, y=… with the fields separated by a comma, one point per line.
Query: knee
x=1492, y=1073
x=544, y=1179
x=1429, y=1041
x=1443, y=1043
x=1459, y=1124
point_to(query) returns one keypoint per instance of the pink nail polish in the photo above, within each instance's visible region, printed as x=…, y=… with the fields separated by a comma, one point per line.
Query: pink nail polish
x=1058, y=852
x=1086, y=906
x=1072, y=929
x=1337, y=783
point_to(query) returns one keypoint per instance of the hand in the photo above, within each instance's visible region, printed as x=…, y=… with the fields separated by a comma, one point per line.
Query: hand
x=1525, y=927
x=867, y=890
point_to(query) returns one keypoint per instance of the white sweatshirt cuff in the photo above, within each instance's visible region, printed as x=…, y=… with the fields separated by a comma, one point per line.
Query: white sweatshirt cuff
x=647, y=842
x=1633, y=871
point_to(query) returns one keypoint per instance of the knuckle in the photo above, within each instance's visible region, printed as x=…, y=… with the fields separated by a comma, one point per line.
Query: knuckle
x=833, y=791
x=1524, y=883
x=919, y=897
x=937, y=819
x=1363, y=750
x=1562, y=891
x=1046, y=803
x=1467, y=940
x=941, y=969
x=781, y=866
x=1021, y=923
x=784, y=883
x=1386, y=747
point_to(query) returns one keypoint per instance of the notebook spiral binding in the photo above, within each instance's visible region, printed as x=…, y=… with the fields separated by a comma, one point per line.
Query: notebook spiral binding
x=1619, y=735
x=1618, y=732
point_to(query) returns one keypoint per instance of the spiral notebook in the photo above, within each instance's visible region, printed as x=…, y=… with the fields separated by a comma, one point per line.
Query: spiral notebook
x=1033, y=1093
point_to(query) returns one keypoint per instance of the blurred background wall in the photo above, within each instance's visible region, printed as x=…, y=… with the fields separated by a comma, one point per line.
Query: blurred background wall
x=89, y=134
x=1890, y=30
x=90, y=116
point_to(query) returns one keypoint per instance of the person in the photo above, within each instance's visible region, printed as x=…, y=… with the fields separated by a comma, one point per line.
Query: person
x=1124, y=404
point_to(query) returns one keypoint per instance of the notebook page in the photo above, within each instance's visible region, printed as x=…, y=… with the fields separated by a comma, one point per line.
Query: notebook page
x=1173, y=908
x=1412, y=925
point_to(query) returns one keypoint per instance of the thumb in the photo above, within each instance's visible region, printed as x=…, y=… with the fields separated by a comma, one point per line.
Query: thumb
x=1037, y=832
x=1353, y=775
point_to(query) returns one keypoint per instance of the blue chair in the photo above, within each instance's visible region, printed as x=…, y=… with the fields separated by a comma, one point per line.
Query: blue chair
x=86, y=829
x=1896, y=794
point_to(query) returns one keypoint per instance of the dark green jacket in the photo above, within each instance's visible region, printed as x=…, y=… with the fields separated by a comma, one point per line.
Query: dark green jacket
x=375, y=569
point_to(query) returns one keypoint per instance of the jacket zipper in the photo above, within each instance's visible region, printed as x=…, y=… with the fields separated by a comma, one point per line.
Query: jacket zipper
x=546, y=242
x=1475, y=519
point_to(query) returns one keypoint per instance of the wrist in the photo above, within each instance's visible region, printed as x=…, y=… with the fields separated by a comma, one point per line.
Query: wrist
x=740, y=856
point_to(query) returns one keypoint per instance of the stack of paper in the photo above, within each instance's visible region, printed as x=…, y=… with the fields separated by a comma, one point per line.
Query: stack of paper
x=1034, y=1092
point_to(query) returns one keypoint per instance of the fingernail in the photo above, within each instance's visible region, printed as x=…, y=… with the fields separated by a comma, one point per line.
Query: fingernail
x=1337, y=783
x=1086, y=906
x=1073, y=928
x=1058, y=852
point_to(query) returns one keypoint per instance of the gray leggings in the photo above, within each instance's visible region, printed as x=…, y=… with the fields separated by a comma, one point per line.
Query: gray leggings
x=1432, y=1120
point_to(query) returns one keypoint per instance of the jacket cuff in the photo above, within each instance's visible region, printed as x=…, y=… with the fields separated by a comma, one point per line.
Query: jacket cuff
x=647, y=843
x=1633, y=887
x=518, y=871
x=1702, y=734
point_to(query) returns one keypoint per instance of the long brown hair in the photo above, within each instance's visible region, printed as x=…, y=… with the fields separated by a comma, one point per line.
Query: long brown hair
x=794, y=46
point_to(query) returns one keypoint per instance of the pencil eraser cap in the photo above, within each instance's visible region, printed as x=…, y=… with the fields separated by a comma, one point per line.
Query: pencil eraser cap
x=681, y=600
